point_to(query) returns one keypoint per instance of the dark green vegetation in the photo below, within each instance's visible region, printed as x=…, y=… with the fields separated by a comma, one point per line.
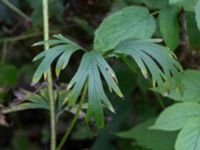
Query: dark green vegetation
x=117, y=74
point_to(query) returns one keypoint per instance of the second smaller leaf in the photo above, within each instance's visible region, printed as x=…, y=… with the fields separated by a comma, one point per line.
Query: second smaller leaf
x=65, y=49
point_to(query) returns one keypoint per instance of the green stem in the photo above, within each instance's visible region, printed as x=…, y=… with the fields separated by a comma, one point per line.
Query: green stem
x=21, y=37
x=17, y=10
x=155, y=12
x=73, y=122
x=49, y=76
x=129, y=64
x=24, y=37
x=4, y=52
x=162, y=105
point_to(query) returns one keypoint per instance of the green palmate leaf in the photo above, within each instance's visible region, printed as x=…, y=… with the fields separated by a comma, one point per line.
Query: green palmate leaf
x=197, y=11
x=169, y=26
x=150, y=57
x=64, y=51
x=149, y=138
x=130, y=22
x=91, y=68
x=191, y=83
x=177, y=116
x=189, y=136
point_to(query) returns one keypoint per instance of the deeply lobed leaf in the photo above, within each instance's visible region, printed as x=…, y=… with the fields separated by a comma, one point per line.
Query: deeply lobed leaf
x=92, y=66
x=151, y=57
x=65, y=49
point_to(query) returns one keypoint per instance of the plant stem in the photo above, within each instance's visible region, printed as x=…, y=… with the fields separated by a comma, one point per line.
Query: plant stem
x=49, y=76
x=20, y=37
x=24, y=37
x=162, y=105
x=129, y=64
x=83, y=97
x=155, y=12
x=17, y=10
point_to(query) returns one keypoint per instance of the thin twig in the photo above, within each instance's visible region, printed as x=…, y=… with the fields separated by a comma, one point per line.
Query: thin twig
x=21, y=37
x=17, y=10
x=162, y=105
x=155, y=13
x=73, y=122
x=129, y=64
x=24, y=37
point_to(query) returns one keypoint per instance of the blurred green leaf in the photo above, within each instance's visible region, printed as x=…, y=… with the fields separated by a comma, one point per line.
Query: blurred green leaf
x=175, y=1
x=197, y=11
x=131, y=22
x=117, y=5
x=177, y=116
x=8, y=75
x=188, y=5
x=191, y=83
x=169, y=26
x=189, y=136
x=192, y=30
x=21, y=141
x=56, y=7
x=156, y=4
x=82, y=133
x=27, y=71
x=149, y=138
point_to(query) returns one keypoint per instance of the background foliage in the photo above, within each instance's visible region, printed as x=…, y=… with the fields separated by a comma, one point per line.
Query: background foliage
x=177, y=22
